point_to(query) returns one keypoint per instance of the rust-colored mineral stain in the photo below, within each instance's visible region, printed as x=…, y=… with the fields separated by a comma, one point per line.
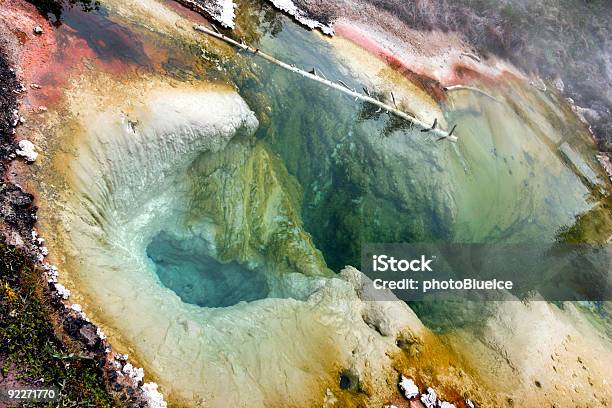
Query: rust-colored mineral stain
x=185, y=12
x=460, y=73
x=463, y=74
x=431, y=363
x=34, y=53
x=427, y=83
x=48, y=59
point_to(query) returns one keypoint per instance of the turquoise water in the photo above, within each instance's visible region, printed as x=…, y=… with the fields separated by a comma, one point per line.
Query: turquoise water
x=203, y=230
x=366, y=179
x=355, y=176
x=186, y=267
x=328, y=168
x=328, y=145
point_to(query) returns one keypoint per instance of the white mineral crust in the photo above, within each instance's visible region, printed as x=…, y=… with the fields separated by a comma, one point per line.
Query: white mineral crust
x=27, y=150
x=408, y=387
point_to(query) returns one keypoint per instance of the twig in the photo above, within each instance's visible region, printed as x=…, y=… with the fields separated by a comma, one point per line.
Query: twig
x=433, y=126
x=450, y=136
x=470, y=88
x=342, y=88
x=472, y=56
x=343, y=84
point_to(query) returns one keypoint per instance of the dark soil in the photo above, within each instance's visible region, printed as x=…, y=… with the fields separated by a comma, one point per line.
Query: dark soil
x=16, y=206
x=41, y=344
x=31, y=355
x=52, y=9
x=8, y=102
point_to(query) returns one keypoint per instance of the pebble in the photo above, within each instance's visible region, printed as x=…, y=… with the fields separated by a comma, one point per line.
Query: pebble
x=100, y=333
x=62, y=291
x=408, y=387
x=430, y=398
x=26, y=149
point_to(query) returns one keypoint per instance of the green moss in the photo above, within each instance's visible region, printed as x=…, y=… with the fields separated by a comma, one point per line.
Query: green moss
x=29, y=348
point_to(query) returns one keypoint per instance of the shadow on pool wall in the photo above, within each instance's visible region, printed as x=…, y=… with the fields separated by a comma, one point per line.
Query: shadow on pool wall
x=185, y=266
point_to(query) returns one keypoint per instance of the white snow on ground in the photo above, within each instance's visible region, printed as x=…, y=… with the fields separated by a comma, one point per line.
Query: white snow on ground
x=290, y=8
x=224, y=12
x=62, y=291
x=136, y=374
x=227, y=13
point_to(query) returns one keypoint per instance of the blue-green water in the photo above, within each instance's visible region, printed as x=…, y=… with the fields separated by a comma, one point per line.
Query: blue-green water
x=355, y=176
x=350, y=175
x=186, y=267
x=205, y=239
x=366, y=179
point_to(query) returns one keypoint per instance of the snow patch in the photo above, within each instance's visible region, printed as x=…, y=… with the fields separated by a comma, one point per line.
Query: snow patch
x=136, y=374
x=62, y=291
x=300, y=15
x=222, y=11
x=227, y=14
x=100, y=334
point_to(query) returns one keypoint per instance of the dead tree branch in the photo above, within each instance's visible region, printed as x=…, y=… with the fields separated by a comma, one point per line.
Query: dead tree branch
x=337, y=86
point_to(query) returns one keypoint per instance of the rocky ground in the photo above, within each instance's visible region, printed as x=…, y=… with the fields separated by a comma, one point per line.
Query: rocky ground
x=44, y=342
x=33, y=356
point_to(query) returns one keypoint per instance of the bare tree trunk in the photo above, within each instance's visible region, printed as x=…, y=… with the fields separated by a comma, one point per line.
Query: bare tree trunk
x=337, y=86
